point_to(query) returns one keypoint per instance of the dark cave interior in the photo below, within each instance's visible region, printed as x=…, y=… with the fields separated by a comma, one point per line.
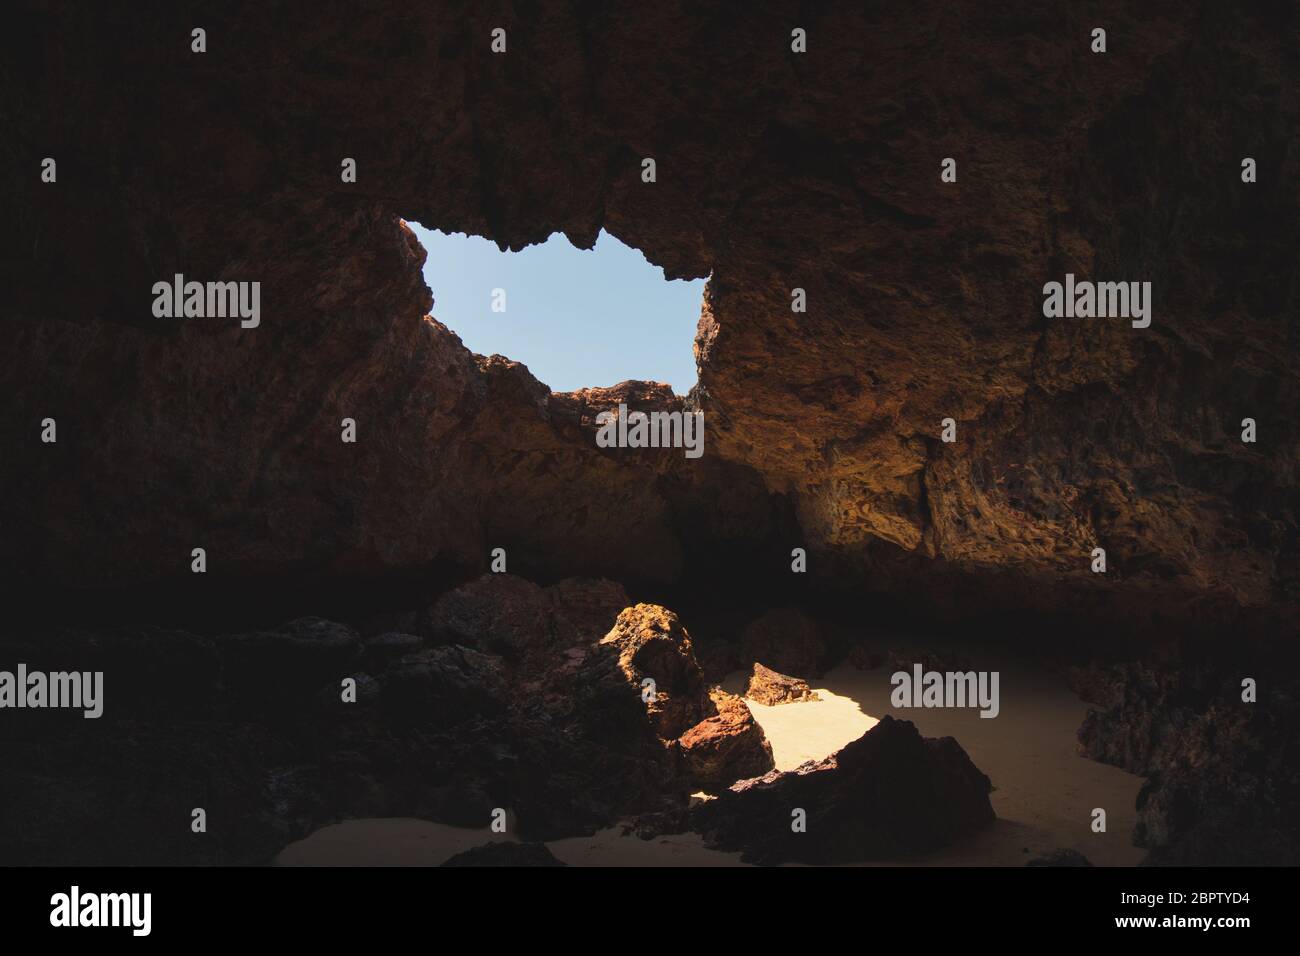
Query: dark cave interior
x=775, y=170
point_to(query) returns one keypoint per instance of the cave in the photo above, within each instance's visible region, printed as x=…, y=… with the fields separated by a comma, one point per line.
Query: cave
x=466, y=629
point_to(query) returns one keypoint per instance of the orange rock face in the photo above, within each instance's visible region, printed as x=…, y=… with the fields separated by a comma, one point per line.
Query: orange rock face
x=656, y=658
x=818, y=172
x=726, y=747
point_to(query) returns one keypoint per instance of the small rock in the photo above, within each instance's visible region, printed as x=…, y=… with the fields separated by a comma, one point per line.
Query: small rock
x=768, y=687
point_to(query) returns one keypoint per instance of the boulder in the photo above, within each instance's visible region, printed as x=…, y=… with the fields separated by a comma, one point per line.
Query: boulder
x=649, y=643
x=889, y=794
x=726, y=747
x=442, y=686
x=1222, y=775
x=501, y=613
x=584, y=609
x=530, y=626
x=768, y=687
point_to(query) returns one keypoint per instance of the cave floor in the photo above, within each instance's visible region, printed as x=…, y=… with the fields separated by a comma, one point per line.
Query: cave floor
x=1044, y=793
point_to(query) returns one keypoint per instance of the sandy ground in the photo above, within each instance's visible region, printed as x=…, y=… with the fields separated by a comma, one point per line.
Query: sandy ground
x=1044, y=795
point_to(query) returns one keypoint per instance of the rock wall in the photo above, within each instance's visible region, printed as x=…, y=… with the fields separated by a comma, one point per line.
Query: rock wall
x=776, y=171
x=1215, y=732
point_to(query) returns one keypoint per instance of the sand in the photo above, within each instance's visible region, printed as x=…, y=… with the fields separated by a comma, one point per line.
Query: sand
x=1044, y=797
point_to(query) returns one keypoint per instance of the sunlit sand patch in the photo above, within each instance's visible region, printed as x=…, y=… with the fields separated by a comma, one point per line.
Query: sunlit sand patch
x=811, y=729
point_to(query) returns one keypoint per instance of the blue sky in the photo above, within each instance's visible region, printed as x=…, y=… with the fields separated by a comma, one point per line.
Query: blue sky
x=575, y=317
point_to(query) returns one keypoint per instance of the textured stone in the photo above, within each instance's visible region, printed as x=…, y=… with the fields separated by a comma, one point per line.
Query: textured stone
x=651, y=644
x=443, y=686
x=501, y=613
x=1222, y=783
x=777, y=170
x=768, y=687
x=727, y=746
x=444, y=733
x=886, y=795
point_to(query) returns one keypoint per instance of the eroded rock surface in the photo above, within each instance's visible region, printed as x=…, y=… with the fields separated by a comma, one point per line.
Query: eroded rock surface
x=817, y=171
x=777, y=171
x=727, y=746
x=1222, y=783
x=654, y=657
x=889, y=794
x=262, y=727
x=768, y=687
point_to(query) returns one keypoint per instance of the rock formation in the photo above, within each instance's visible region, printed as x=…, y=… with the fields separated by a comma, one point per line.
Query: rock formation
x=818, y=171
x=777, y=171
x=654, y=656
x=260, y=727
x=1222, y=773
x=768, y=687
x=1223, y=782
x=727, y=746
x=889, y=794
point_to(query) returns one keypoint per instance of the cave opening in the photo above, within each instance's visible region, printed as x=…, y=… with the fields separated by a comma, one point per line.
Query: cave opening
x=577, y=318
